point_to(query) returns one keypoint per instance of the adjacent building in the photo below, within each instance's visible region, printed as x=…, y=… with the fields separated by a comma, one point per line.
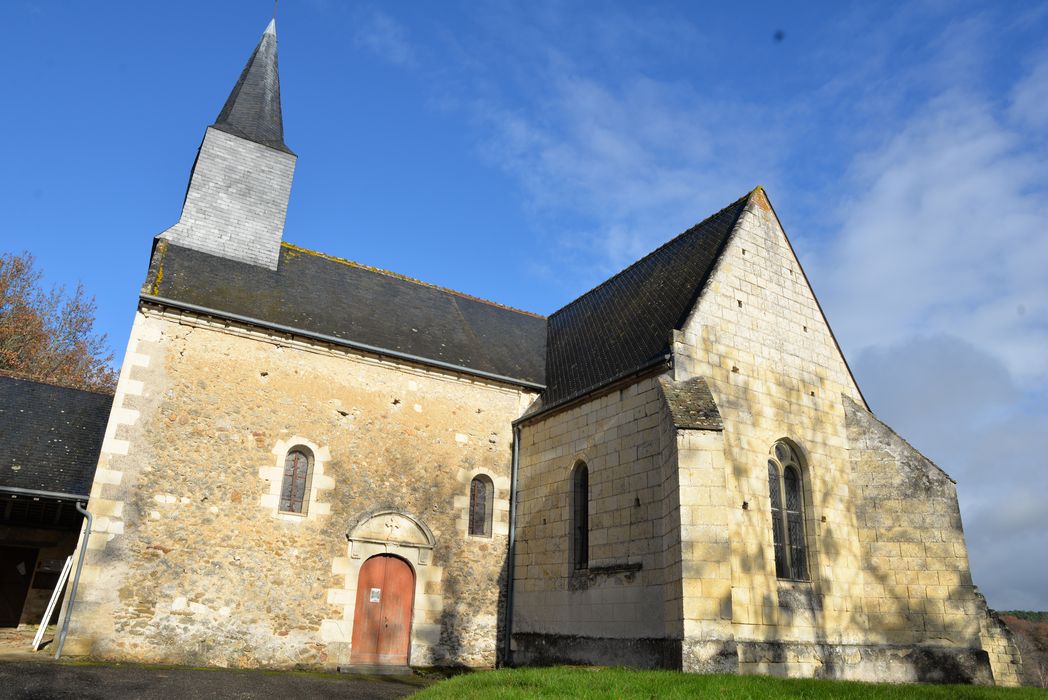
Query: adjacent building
x=51, y=438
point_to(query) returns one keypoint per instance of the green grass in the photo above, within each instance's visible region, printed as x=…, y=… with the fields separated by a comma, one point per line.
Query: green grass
x=586, y=682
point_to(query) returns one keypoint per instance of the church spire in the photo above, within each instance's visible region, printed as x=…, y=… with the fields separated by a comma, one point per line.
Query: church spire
x=238, y=193
x=252, y=110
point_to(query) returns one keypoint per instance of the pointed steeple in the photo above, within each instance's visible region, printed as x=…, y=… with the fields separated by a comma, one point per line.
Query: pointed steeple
x=238, y=193
x=252, y=111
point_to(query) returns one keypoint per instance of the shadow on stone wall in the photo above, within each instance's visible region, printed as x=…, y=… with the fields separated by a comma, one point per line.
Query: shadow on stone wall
x=856, y=618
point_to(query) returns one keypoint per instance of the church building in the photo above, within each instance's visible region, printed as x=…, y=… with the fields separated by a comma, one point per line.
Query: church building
x=314, y=463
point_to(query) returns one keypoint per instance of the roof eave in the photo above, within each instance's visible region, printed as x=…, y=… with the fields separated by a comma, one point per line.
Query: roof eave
x=335, y=340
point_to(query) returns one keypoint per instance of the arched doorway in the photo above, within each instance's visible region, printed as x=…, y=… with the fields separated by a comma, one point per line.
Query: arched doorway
x=382, y=618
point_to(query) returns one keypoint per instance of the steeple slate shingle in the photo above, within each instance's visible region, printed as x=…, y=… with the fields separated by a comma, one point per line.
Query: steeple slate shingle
x=252, y=111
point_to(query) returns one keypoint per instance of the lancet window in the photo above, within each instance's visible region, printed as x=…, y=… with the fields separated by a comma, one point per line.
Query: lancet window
x=786, y=488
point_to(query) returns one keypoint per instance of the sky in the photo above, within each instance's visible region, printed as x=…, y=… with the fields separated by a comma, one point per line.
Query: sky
x=524, y=152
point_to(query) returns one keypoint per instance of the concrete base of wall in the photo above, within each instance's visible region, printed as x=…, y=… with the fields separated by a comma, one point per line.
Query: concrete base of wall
x=882, y=663
x=547, y=649
x=874, y=662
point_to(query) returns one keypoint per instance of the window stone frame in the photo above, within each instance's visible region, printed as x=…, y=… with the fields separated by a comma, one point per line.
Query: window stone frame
x=272, y=477
x=795, y=462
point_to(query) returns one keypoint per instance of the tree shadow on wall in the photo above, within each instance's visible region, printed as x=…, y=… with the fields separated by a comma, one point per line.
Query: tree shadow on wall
x=869, y=601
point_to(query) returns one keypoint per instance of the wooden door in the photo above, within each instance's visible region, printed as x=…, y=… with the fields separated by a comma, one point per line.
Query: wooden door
x=382, y=621
x=16, y=571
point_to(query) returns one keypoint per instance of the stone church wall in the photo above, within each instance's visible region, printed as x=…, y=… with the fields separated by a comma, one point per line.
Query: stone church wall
x=759, y=338
x=918, y=581
x=624, y=607
x=704, y=560
x=192, y=563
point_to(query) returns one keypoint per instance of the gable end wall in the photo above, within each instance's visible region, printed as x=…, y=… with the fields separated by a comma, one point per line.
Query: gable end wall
x=758, y=337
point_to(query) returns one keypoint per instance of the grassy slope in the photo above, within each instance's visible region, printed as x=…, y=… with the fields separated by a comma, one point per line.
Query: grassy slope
x=620, y=683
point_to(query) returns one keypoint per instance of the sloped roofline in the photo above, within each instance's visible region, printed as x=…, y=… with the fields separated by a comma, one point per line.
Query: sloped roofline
x=638, y=261
x=7, y=374
x=405, y=278
x=252, y=111
x=333, y=340
x=760, y=190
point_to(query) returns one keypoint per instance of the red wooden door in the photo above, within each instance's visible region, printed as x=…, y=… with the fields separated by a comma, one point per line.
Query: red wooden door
x=382, y=621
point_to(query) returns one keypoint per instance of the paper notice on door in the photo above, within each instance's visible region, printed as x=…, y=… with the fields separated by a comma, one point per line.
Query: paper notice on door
x=376, y=594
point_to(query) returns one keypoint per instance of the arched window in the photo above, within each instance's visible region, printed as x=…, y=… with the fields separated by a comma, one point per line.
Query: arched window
x=787, y=513
x=294, y=492
x=580, y=516
x=481, y=496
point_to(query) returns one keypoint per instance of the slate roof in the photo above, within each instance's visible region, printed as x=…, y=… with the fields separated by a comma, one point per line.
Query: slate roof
x=691, y=404
x=51, y=436
x=252, y=110
x=360, y=306
x=626, y=323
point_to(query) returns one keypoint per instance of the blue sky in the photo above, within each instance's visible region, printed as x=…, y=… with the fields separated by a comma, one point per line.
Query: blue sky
x=523, y=152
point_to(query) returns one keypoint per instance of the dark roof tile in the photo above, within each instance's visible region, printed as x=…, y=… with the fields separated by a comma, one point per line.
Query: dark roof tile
x=626, y=323
x=252, y=110
x=318, y=294
x=51, y=436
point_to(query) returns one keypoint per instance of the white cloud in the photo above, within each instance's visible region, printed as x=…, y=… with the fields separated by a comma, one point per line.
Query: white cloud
x=933, y=269
x=635, y=163
x=1030, y=97
x=944, y=233
x=385, y=37
x=937, y=285
x=964, y=410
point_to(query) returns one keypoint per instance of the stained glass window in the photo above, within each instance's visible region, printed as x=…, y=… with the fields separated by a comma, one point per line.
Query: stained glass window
x=785, y=488
x=481, y=493
x=778, y=535
x=294, y=490
x=794, y=522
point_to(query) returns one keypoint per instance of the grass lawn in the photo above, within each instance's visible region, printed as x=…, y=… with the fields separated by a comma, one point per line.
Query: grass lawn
x=587, y=682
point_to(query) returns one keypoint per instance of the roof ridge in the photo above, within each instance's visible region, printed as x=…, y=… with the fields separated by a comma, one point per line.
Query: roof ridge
x=664, y=245
x=405, y=278
x=17, y=376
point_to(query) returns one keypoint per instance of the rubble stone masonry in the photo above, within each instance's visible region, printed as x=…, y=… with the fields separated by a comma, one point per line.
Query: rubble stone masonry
x=191, y=561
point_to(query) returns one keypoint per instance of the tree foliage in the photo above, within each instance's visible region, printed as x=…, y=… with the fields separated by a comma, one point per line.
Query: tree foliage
x=48, y=334
x=1030, y=630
